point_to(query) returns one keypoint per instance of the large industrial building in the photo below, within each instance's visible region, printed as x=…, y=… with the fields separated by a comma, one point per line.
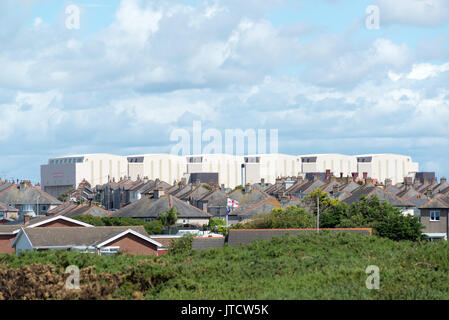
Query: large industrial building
x=166, y=167
x=61, y=174
x=386, y=166
x=338, y=164
x=269, y=167
x=227, y=166
x=67, y=172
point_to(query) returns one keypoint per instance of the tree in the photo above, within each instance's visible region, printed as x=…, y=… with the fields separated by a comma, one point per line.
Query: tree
x=215, y=223
x=386, y=220
x=65, y=196
x=291, y=217
x=331, y=210
x=181, y=245
x=168, y=218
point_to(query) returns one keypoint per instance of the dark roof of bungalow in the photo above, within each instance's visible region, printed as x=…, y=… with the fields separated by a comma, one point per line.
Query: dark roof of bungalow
x=152, y=208
x=62, y=237
x=9, y=229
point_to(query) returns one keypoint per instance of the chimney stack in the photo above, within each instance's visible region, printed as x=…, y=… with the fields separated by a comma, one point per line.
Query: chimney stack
x=335, y=189
x=355, y=175
x=443, y=180
x=204, y=206
x=26, y=219
x=365, y=175
x=159, y=192
x=328, y=174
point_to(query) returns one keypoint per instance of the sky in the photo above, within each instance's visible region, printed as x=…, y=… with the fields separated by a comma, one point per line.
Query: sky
x=135, y=71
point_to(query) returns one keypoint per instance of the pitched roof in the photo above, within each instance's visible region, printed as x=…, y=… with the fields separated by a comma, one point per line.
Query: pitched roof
x=350, y=187
x=27, y=195
x=70, y=237
x=69, y=209
x=250, y=210
x=47, y=219
x=151, y=208
x=409, y=193
x=9, y=229
x=5, y=208
x=252, y=197
x=381, y=194
x=435, y=203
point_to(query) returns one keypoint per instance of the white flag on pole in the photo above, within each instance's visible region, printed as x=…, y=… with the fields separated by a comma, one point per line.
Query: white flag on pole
x=233, y=203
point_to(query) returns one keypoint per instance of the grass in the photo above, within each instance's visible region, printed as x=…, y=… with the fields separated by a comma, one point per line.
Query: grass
x=307, y=266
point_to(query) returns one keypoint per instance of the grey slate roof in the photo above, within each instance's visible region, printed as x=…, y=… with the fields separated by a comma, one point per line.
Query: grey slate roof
x=69, y=209
x=252, y=197
x=152, y=208
x=9, y=229
x=61, y=237
x=5, y=208
x=418, y=202
x=436, y=203
x=381, y=194
x=28, y=195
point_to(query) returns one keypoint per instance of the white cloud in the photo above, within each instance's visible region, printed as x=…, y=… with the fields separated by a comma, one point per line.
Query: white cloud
x=426, y=70
x=427, y=13
x=160, y=65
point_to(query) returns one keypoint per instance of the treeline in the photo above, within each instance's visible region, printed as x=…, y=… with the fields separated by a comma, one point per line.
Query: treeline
x=385, y=220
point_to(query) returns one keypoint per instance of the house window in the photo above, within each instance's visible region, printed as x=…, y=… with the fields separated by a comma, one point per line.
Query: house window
x=434, y=215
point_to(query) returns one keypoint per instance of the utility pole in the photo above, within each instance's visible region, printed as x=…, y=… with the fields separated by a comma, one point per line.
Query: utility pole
x=318, y=214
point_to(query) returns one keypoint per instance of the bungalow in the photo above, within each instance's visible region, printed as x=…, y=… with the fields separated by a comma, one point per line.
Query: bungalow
x=7, y=235
x=98, y=240
x=9, y=231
